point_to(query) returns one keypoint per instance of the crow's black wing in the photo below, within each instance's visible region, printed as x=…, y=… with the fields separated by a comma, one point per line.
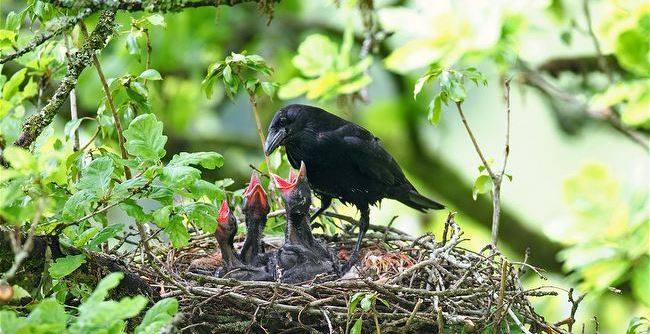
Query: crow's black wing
x=366, y=153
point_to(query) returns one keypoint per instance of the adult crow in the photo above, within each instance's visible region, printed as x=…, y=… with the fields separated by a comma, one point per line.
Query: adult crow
x=344, y=161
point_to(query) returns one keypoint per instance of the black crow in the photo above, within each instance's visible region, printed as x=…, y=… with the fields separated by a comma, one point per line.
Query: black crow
x=255, y=208
x=301, y=257
x=344, y=161
x=233, y=267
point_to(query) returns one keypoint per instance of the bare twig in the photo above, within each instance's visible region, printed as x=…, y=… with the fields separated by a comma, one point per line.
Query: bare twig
x=73, y=101
x=459, y=108
x=111, y=104
x=602, y=61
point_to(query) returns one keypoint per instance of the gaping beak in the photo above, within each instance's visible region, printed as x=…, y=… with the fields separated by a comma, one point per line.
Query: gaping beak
x=275, y=139
x=224, y=212
x=255, y=193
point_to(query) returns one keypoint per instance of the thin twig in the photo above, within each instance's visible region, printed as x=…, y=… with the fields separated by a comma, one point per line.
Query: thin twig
x=111, y=104
x=474, y=142
x=602, y=61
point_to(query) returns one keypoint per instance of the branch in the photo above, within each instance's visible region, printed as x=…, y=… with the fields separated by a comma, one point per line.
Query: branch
x=36, y=123
x=111, y=104
x=471, y=136
x=48, y=33
x=536, y=80
x=150, y=6
x=602, y=62
x=496, y=191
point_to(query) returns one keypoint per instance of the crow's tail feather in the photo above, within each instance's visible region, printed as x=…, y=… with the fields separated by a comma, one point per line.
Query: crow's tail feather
x=417, y=201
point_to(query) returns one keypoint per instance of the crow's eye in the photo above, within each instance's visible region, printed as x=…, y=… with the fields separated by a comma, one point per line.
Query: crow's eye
x=283, y=121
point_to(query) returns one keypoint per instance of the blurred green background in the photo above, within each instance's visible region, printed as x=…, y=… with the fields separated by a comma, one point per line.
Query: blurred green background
x=578, y=185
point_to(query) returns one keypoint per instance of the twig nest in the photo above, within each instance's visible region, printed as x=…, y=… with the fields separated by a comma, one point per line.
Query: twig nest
x=402, y=284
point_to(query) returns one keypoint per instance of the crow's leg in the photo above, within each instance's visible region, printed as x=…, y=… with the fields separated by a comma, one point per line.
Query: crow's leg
x=364, y=223
x=325, y=203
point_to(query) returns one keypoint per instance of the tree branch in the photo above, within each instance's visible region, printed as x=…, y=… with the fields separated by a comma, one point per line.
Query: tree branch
x=111, y=104
x=150, y=6
x=36, y=123
x=48, y=33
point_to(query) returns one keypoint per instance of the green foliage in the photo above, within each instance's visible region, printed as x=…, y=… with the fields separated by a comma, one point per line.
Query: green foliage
x=94, y=315
x=144, y=138
x=239, y=70
x=365, y=301
x=451, y=88
x=326, y=71
x=613, y=245
x=66, y=265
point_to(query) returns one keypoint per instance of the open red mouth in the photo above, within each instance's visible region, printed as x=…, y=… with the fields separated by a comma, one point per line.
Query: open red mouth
x=292, y=180
x=255, y=192
x=224, y=212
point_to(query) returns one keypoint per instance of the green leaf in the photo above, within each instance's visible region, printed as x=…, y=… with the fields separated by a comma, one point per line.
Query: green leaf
x=71, y=127
x=10, y=87
x=316, y=55
x=134, y=210
x=108, y=232
x=355, y=85
x=482, y=185
x=78, y=205
x=177, y=232
x=632, y=50
x=144, y=138
x=209, y=160
x=132, y=43
x=101, y=291
x=158, y=316
x=641, y=281
x=358, y=325
x=179, y=177
x=150, y=74
x=419, y=84
x=210, y=190
x=293, y=88
x=19, y=158
x=66, y=265
x=204, y=215
x=49, y=316
x=156, y=20
x=451, y=82
x=97, y=176
x=366, y=302
x=435, y=110
x=81, y=240
x=269, y=88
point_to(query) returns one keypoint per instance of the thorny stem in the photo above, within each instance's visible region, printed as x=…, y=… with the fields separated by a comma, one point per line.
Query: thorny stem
x=111, y=104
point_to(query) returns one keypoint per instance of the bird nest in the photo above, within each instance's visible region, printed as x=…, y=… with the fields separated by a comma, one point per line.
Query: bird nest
x=401, y=284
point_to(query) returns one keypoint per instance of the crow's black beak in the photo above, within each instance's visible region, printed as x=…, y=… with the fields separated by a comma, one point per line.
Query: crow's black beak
x=275, y=139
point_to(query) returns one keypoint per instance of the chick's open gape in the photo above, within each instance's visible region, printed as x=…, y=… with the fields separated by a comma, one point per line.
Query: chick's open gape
x=301, y=258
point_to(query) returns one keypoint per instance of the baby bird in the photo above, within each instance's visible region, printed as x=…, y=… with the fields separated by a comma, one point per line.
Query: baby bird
x=233, y=266
x=301, y=257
